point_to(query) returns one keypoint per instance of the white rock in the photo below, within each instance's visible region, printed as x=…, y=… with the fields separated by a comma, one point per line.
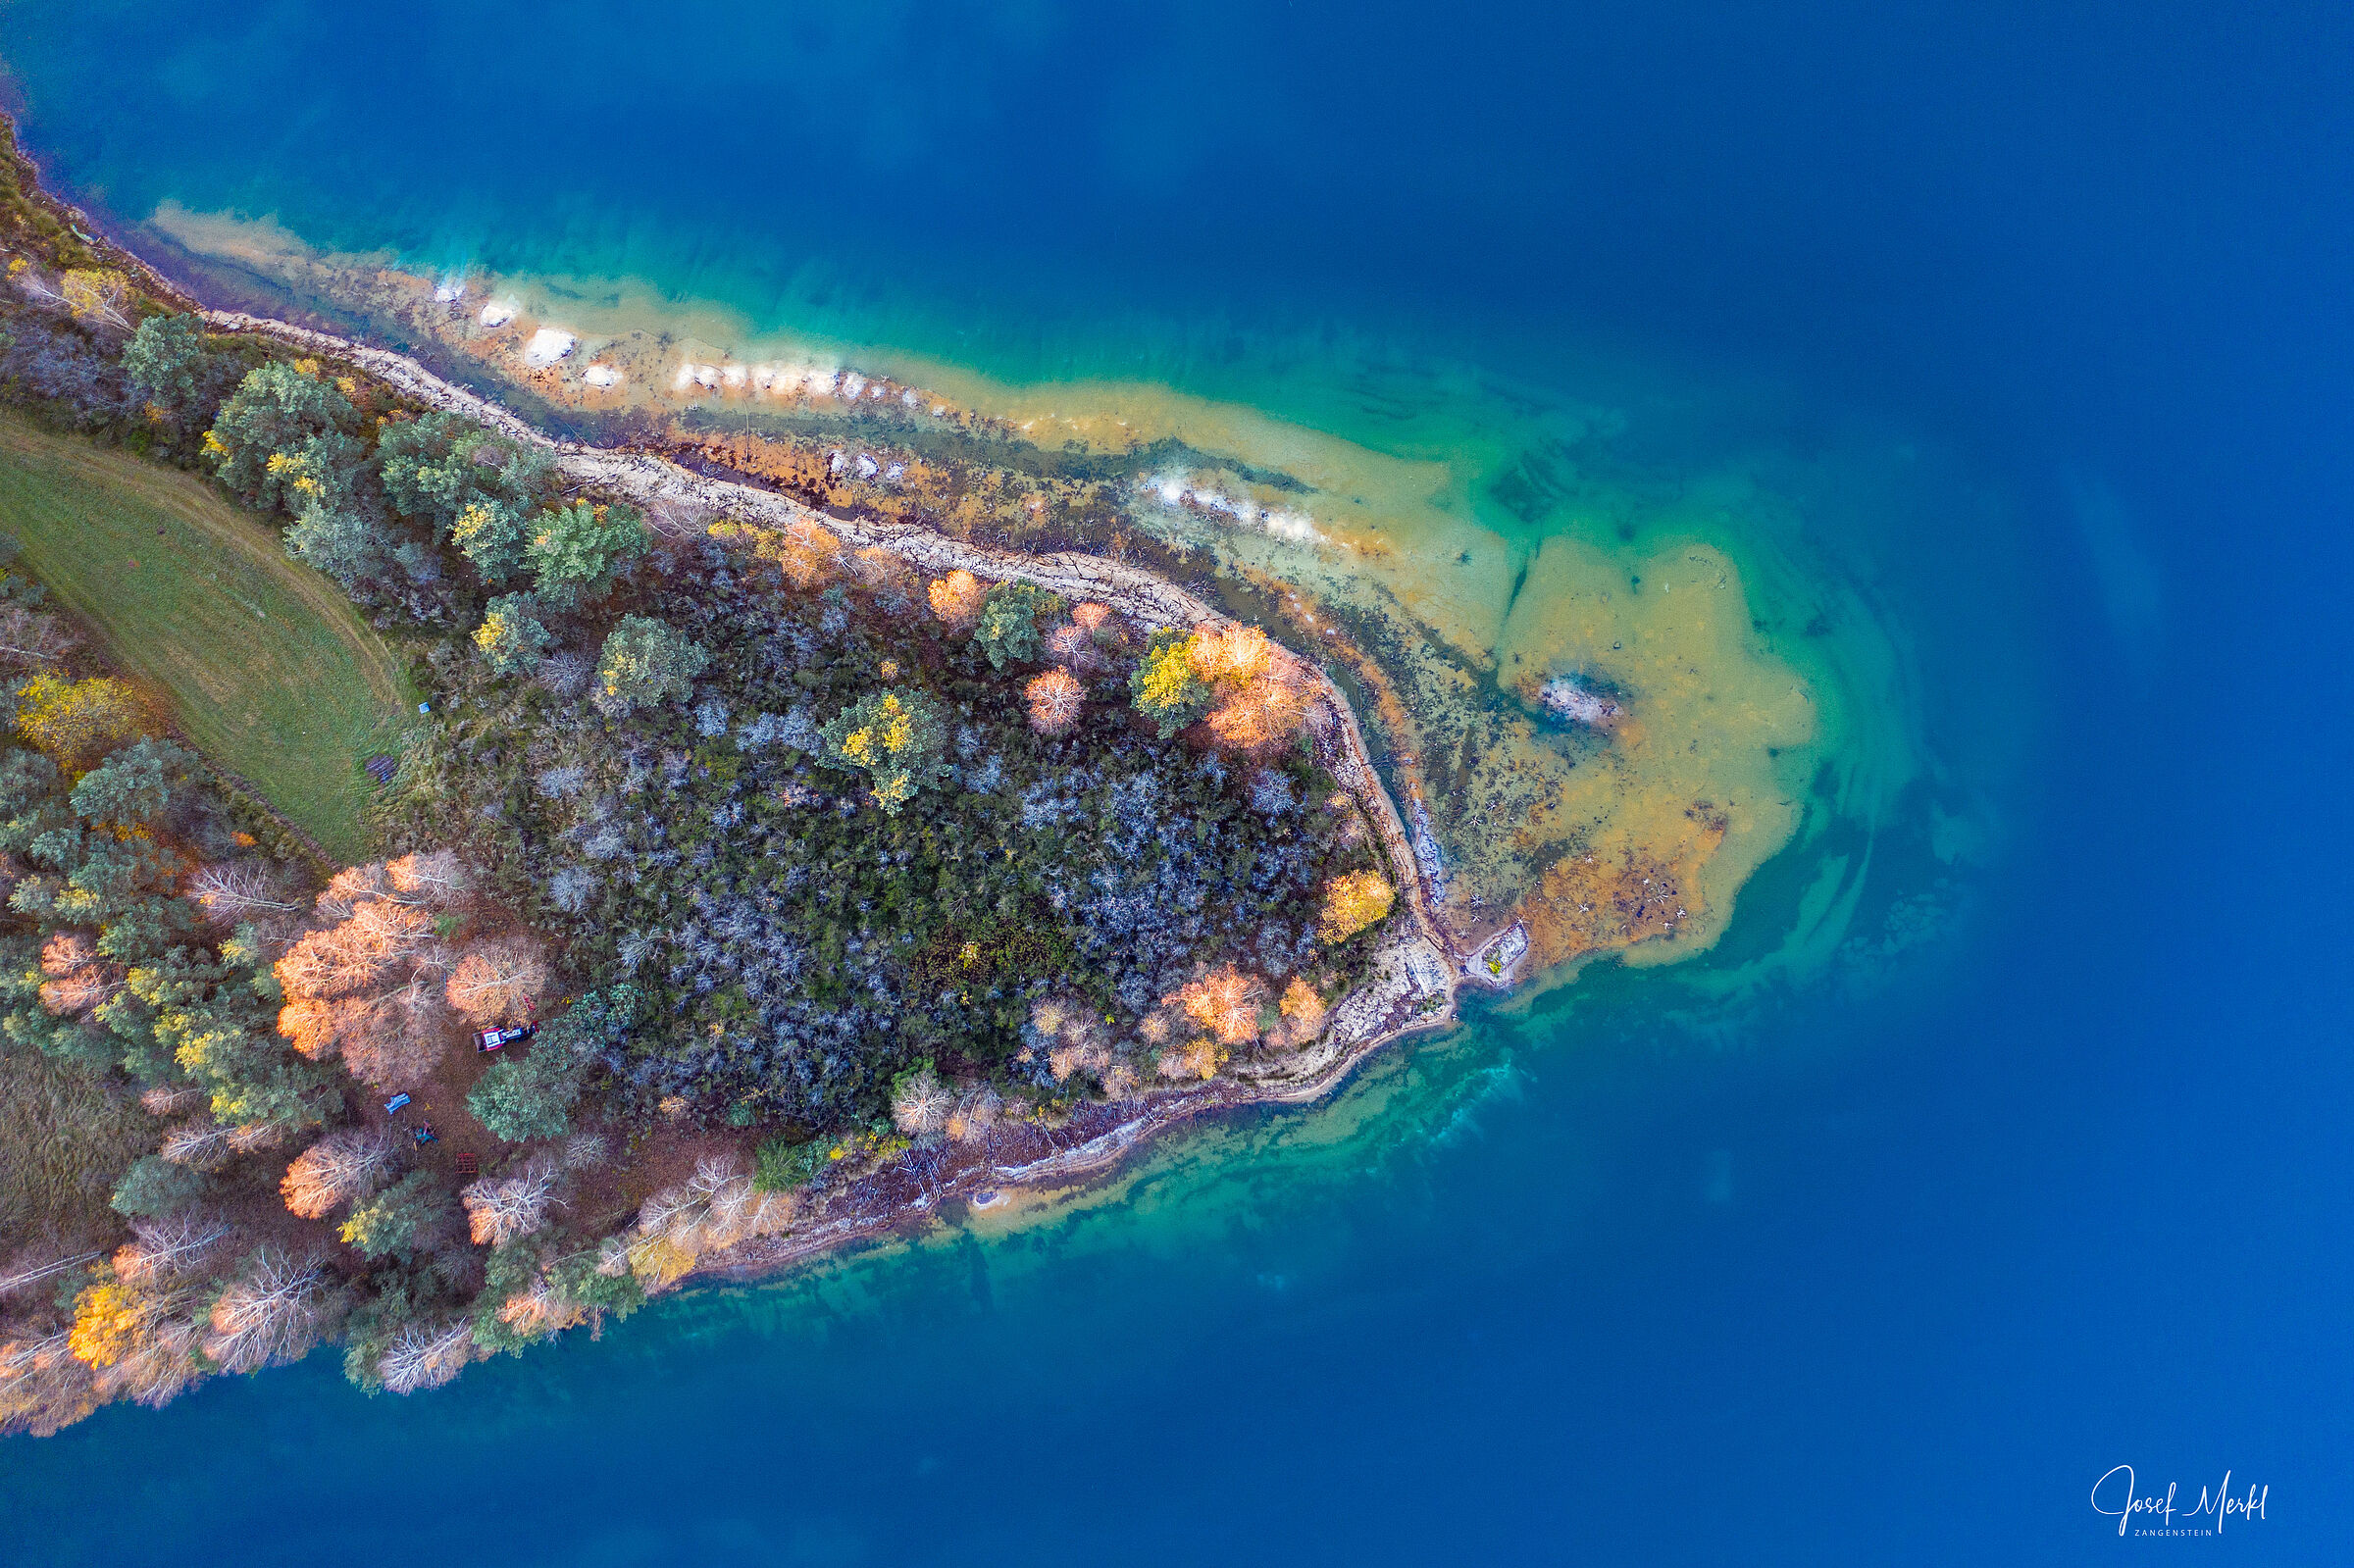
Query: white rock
x=547, y=345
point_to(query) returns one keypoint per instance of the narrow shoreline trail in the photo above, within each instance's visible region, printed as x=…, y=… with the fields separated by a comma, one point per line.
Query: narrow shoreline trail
x=1413, y=986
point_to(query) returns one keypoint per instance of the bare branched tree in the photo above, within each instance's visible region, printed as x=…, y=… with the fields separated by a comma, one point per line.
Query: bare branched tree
x=732, y=1206
x=258, y=1137
x=341, y=1167
x=272, y=1313
x=162, y=1252
x=349, y=889
x=200, y=1143
x=97, y=295
x=1057, y=699
x=427, y=1357
x=38, y=287
x=236, y=890
x=922, y=1104
x=38, y=1265
x=169, y=1099
x=436, y=880
x=391, y=931
x=401, y=1037
x=715, y=1207
x=158, y=1364
x=586, y=1151
x=43, y=1385
x=498, y=979
x=501, y=1208
x=975, y=1114
x=30, y=639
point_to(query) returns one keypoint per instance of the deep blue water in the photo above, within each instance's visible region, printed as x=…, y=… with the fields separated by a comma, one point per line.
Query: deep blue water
x=1865, y=1276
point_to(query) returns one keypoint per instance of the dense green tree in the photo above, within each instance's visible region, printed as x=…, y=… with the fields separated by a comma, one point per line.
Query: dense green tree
x=519, y=1099
x=1008, y=628
x=261, y=440
x=391, y=1221
x=136, y=786
x=154, y=1187
x=440, y=465
x=399, y=1296
x=32, y=800
x=116, y=873
x=1164, y=686
x=348, y=542
x=220, y=1034
x=529, y=1295
x=512, y=639
x=896, y=735
x=492, y=535
x=532, y=1096
x=168, y=361
x=645, y=665
x=575, y=552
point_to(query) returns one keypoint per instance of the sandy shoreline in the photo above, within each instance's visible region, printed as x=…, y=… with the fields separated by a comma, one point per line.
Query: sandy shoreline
x=1414, y=985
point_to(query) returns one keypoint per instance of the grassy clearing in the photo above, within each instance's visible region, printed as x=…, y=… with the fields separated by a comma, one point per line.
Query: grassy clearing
x=65, y=1137
x=262, y=662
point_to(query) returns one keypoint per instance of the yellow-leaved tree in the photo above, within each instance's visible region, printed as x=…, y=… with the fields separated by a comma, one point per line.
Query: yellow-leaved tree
x=1353, y=901
x=79, y=722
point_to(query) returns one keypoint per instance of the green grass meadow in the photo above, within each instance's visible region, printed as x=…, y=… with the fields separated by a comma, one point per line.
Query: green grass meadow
x=261, y=661
x=66, y=1134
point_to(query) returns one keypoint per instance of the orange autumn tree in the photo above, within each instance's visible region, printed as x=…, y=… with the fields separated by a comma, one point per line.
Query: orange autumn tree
x=1225, y=1002
x=1302, y=1014
x=1056, y=699
x=1254, y=695
x=1081, y=642
x=807, y=552
x=957, y=599
x=75, y=980
x=1260, y=695
x=363, y=983
x=342, y=1167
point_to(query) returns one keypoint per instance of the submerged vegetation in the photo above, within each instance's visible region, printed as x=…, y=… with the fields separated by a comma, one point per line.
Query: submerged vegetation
x=762, y=862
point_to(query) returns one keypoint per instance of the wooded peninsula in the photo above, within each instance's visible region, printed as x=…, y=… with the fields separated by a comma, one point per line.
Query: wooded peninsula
x=744, y=880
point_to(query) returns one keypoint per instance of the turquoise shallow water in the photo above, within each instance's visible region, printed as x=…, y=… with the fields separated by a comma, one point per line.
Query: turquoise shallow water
x=1885, y=1262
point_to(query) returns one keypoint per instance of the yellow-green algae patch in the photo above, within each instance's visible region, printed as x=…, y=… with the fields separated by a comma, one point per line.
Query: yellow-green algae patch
x=1691, y=780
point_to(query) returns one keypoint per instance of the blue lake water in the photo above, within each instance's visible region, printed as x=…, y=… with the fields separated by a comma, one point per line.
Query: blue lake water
x=1884, y=1266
